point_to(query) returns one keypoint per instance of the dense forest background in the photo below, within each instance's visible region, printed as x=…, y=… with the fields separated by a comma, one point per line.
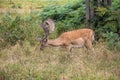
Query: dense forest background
x=20, y=57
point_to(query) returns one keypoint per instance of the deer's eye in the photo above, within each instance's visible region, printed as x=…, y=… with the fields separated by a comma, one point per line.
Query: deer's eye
x=45, y=40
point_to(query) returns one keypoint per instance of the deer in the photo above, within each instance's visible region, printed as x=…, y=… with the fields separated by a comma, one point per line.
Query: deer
x=68, y=40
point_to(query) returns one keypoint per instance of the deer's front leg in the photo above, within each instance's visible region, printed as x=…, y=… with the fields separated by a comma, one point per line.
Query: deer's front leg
x=69, y=48
x=89, y=46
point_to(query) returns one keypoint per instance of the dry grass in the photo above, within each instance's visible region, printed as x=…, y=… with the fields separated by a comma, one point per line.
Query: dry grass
x=29, y=63
x=27, y=4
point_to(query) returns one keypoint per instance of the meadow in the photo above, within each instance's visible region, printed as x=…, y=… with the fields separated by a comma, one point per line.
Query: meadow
x=29, y=63
x=22, y=59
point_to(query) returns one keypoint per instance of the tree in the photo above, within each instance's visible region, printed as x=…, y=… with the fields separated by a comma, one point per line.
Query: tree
x=90, y=10
x=110, y=3
x=104, y=3
x=87, y=13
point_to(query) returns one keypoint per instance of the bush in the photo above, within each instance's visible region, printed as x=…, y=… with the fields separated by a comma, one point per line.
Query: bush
x=10, y=29
x=58, y=13
x=17, y=29
x=116, y=4
x=106, y=20
x=112, y=41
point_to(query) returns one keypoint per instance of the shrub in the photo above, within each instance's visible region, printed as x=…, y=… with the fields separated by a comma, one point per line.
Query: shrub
x=10, y=30
x=112, y=41
x=106, y=20
x=116, y=4
x=62, y=12
x=17, y=29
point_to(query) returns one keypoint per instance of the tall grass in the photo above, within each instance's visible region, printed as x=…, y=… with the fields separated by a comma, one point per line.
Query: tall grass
x=29, y=63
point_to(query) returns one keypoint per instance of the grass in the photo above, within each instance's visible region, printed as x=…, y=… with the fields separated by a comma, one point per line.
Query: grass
x=38, y=4
x=29, y=63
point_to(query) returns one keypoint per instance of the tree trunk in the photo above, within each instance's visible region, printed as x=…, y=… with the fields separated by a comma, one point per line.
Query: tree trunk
x=87, y=13
x=110, y=3
x=98, y=3
x=105, y=2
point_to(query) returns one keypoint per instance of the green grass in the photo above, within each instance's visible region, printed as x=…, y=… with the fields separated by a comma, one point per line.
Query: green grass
x=29, y=63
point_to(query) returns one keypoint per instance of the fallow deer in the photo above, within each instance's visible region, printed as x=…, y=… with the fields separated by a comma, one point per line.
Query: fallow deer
x=69, y=40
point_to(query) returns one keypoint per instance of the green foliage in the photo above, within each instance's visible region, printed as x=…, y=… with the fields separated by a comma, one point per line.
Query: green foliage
x=67, y=16
x=10, y=29
x=17, y=29
x=32, y=28
x=116, y=4
x=100, y=11
x=106, y=28
x=112, y=41
x=113, y=21
x=104, y=21
x=106, y=24
x=61, y=27
x=69, y=10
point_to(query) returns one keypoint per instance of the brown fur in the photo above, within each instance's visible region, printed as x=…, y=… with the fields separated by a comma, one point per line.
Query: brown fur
x=75, y=38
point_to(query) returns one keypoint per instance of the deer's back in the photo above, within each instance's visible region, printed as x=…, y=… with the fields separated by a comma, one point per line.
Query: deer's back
x=75, y=34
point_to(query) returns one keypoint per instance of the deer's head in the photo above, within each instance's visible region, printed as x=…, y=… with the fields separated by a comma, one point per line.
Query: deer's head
x=48, y=27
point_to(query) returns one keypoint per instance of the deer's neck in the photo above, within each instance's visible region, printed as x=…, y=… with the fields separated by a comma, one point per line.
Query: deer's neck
x=54, y=42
